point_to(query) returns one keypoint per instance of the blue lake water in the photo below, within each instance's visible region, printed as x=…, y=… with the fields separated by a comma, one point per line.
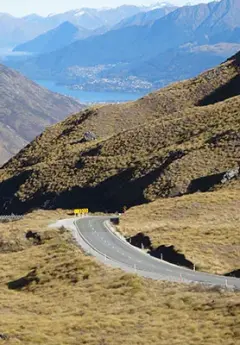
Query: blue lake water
x=90, y=96
x=86, y=97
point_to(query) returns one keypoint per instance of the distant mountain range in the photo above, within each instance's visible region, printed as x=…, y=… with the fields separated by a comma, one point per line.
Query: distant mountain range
x=146, y=18
x=175, y=46
x=15, y=31
x=219, y=26
x=66, y=33
x=26, y=109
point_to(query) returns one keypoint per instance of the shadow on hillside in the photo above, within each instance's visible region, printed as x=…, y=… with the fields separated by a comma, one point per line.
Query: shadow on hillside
x=140, y=241
x=111, y=195
x=8, y=189
x=236, y=59
x=229, y=135
x=168, y=254
x=85, y=114
x=96, y=151
x=231, y=89
x=205, y=183
x=235, y=274
x=24, y=281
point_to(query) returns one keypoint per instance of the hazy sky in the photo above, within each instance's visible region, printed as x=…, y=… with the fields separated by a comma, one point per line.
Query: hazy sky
x=44, y=7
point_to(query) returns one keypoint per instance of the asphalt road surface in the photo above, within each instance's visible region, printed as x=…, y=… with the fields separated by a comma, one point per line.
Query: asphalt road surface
x=97, y=237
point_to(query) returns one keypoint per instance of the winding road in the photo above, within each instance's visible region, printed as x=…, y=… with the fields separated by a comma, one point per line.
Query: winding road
x=97, y=237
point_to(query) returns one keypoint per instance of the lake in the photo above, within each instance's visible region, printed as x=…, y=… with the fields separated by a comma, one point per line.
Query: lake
x=87, y=97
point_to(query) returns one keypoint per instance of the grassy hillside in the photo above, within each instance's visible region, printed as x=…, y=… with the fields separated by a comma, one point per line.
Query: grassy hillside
x=155, y=147
x=203, y=227
x=26, y=109
x=70, y=299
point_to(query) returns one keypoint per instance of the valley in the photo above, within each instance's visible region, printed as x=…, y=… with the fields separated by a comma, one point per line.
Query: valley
x=120, y=173
x=138, y=50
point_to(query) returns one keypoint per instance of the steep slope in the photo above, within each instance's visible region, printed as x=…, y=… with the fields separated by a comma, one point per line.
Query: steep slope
x=145, y=18
x=235, y=35
x=25, y=110
x=156, y=147
x=221, y=23
x=54, y=39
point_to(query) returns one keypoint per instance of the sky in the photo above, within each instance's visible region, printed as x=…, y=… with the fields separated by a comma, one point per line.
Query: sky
x=44, y=7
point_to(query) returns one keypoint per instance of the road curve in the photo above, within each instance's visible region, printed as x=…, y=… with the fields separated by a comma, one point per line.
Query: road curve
x=96, y=236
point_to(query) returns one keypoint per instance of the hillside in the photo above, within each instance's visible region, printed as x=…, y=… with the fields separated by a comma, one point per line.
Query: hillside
x=202, y=227
x=57, y=295
x=156, y=147
x=26, y=110
x=221, y=22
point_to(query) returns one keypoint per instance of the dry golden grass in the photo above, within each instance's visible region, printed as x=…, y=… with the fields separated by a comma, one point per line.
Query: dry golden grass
x=111, y=119
x=78, y=301
x=208, y=138
x=146, y=149
x=204, y=227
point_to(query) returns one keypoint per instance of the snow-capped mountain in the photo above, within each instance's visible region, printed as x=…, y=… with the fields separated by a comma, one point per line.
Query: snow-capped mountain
x=19, y=30
x=159, y=5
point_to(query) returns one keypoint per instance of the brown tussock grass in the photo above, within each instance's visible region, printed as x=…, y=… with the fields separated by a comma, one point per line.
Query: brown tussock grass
x=79, y=301
x=204, y=227
x=137, y=139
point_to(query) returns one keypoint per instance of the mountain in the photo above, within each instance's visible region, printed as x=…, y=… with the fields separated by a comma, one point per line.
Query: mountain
x=94, y=22
x=128, y=44
x=18, y=30
x=92, y=19
x=176, y=64
x=26, y=110
x=15, y=31
x=235, y=35
x=221, y=23
x=55, y=39
x=136, y=44
x=146, y=18
x=110, y=17
x=9, y=25
x=175, y=141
